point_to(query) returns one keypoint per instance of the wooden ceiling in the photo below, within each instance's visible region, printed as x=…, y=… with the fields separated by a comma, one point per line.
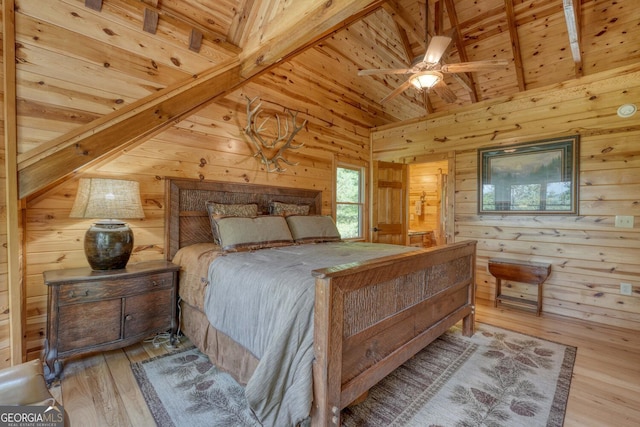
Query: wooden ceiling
x=85, y=67
x=545, y=41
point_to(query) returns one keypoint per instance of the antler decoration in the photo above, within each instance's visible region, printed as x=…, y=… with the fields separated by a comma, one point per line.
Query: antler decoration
x=254, y=132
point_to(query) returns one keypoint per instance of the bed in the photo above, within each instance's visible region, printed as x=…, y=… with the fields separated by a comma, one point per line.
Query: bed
x=368, y=316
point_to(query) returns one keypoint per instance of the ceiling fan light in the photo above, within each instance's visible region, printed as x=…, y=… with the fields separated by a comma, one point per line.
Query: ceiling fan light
x=426, y=79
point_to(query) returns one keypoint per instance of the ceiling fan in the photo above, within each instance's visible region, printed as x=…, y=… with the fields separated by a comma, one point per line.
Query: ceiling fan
x=427, y=71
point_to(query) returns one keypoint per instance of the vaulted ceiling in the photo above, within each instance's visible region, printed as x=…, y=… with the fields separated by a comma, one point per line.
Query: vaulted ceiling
x=89, y=71
x=544, y=41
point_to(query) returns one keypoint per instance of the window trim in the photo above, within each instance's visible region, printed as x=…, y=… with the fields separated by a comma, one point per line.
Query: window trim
x=363, y=197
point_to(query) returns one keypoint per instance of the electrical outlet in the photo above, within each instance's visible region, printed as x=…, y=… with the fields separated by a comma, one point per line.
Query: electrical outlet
x=625, y=289
x=624, y=221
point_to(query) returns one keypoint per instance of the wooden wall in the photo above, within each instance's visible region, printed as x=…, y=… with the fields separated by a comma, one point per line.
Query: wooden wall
x=425, y=181
x=76, y=65
x=5, y=355
x=590, y=257
x=211, y=146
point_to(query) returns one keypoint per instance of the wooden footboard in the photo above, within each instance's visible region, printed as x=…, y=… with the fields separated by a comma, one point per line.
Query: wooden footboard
x=373, y=316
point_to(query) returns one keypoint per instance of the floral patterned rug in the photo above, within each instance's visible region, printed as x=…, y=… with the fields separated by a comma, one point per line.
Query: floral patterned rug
x=495, y=378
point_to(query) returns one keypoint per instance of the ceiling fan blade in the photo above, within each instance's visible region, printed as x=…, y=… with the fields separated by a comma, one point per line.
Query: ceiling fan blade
x=437, y=47
x=385, y=71
x=444, y=92
x=467, y=67
x=397, y=91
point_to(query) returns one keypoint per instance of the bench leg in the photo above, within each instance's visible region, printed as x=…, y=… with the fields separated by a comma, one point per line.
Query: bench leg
x=539, y=308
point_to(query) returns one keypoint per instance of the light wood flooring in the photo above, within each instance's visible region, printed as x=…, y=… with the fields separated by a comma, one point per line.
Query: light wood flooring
x=100, y=390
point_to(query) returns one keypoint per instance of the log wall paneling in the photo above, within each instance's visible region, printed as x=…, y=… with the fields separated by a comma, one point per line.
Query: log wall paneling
x=208, y=145
x=425, y=179
x=11, y=227
x=590, y=256
x=76, y=65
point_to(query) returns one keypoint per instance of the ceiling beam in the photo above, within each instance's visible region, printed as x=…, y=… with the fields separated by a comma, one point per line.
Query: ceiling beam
x=240, y=21
x=515, y=44
x=403, y=19
x=572, y=16
x=406, y=44
x=438, y=18
x=453, y=18
x=284, y=37
x=87, y=144
x=57, y=158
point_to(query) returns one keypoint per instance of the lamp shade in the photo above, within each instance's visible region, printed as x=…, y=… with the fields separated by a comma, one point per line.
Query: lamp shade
x=107, y=199
x=108, y=243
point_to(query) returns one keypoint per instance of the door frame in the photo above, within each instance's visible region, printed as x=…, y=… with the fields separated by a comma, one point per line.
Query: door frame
x=449, y=197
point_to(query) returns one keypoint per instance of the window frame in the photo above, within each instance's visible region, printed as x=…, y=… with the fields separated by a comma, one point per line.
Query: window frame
x=559, y=155
x=361, y=203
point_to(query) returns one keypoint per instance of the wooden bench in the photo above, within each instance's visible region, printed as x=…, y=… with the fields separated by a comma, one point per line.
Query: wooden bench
x=533, y=273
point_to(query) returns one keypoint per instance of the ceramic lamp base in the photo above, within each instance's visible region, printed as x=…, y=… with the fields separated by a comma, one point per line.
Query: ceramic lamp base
x=108, y=245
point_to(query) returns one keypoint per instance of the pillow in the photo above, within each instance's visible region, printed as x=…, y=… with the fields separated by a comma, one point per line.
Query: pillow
x=217, y=209
x=285, y=209
x=244, y=234
x=313, y=229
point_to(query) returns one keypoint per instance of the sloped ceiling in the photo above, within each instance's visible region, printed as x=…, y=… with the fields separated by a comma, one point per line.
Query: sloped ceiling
x=88, y=68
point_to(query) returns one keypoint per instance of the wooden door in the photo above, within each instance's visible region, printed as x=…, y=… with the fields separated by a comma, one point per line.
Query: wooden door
x=389, y=204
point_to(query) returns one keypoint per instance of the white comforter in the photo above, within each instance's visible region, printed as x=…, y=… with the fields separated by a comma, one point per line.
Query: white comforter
x=264, y=300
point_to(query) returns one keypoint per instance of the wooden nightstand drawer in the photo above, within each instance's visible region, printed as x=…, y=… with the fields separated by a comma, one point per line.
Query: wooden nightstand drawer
x=112, y=288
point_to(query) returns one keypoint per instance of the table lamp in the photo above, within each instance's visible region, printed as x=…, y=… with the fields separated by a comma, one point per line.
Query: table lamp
x=109, y=241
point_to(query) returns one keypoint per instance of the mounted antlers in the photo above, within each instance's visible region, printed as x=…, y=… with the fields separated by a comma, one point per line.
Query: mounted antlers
x=254, y=132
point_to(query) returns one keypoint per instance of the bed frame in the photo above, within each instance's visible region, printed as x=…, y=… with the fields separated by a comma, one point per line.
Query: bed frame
x=369, y=317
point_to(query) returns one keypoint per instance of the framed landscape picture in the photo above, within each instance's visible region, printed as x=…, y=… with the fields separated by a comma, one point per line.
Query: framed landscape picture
x=539, y=177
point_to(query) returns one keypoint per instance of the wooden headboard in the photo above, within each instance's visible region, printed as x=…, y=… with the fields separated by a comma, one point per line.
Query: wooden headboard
x=186, y=219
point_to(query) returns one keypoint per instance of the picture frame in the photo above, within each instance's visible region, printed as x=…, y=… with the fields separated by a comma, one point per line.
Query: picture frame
x=538, y=177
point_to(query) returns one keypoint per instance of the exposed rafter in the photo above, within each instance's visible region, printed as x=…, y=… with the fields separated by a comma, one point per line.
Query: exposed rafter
x=403, y=19
x=572, y=16
x=453, y=18
x=240, y=21
x=406, y=43
x=515, y=43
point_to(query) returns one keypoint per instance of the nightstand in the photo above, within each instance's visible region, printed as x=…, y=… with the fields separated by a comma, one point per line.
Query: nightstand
x=91, y=310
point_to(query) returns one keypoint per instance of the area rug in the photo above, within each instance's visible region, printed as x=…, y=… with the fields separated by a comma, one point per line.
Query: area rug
x=495, y=378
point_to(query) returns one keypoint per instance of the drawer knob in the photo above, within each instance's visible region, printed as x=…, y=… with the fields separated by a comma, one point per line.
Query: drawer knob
x=127, y=317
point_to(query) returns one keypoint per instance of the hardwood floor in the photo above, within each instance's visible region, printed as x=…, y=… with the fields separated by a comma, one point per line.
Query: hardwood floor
x=100, y=390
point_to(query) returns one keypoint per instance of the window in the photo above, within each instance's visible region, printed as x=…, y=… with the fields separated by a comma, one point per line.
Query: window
x=535, y=177
x=350, y=201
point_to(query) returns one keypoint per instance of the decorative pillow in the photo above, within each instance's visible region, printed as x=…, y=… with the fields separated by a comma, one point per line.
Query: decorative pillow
x=244, y=234
x=313, y=229
x=286, y=209
x=224, y=209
